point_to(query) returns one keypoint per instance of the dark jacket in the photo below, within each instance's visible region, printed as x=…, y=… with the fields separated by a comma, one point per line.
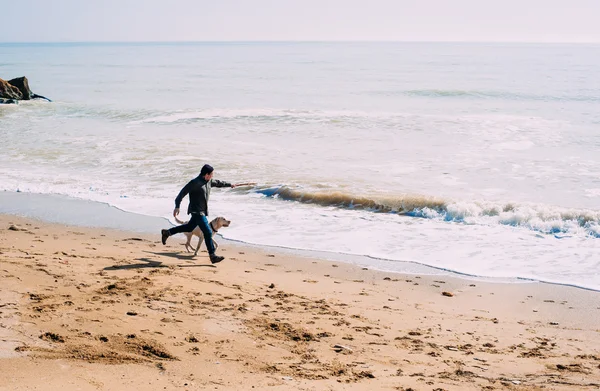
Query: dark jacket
x=199, y=191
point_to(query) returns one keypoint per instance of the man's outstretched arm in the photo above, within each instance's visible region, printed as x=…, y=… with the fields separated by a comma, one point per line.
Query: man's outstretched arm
x=218, y=183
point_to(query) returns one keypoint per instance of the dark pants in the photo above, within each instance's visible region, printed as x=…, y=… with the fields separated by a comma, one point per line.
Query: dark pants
x=197, y=221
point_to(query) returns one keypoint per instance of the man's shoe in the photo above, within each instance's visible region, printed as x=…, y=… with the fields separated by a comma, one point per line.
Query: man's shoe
x=165, y=235
x=216, y=258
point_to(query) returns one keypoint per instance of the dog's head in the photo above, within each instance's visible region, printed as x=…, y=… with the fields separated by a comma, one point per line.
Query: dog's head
x=220, y=222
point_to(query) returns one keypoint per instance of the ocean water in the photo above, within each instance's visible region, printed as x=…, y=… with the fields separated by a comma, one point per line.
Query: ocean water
x=481, y=159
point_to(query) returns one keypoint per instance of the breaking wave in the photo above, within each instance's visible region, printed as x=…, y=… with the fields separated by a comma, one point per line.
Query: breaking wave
x=541, y=218
x=491, y=94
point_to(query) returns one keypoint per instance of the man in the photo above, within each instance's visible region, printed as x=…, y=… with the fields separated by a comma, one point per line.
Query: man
x=199, y=191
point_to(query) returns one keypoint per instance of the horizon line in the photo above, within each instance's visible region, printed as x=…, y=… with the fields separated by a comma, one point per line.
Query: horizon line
x=298, y=41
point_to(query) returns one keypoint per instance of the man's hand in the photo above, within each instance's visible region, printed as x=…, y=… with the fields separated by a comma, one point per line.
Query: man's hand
x=243, y=184
x=175, y=212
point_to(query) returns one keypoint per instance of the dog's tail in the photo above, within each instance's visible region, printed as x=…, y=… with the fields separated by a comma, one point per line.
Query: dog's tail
x=179, y=221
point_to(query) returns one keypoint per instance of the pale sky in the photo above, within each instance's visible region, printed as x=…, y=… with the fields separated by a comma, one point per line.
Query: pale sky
x=300, y=20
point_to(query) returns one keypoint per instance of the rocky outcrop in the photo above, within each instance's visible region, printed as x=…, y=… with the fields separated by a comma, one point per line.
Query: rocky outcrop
x=22, y=85
x=8, y=91
x=13, y=90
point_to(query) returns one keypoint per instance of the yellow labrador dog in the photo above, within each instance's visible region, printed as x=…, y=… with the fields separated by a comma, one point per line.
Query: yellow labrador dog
x=216, y=224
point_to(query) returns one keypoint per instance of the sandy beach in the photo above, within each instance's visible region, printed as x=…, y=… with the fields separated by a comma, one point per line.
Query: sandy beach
x=99, y=309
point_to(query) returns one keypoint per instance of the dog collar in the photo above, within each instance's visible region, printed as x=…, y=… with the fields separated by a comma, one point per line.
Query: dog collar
x=212, y=227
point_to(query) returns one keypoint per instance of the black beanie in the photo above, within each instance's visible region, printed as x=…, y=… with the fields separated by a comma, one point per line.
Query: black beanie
x=206, y=169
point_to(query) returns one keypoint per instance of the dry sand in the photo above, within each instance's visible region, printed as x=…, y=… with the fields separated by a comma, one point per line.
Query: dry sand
x=89, y=309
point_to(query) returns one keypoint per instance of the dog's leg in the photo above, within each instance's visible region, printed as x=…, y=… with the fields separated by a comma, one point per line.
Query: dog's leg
x=188, y=244
x=200, y=240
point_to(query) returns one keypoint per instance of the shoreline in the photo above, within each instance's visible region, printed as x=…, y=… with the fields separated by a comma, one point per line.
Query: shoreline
x=91, y=307
x=75, y=211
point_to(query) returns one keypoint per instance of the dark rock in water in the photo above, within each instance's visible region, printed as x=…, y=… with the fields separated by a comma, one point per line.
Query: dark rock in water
x=8, y=91
x=8, y=101
x=36, y=96
x=17, y=89
x=23, y=85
